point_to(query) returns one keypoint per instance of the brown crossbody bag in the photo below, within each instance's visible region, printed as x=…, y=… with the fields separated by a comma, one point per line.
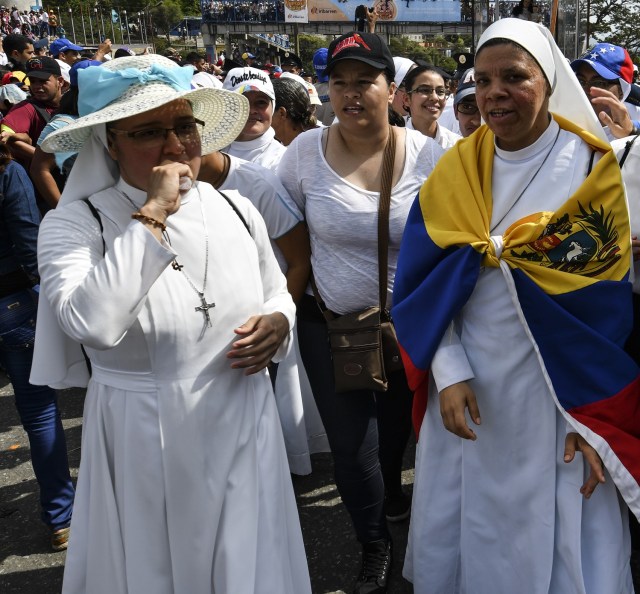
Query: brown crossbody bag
x=364, y=347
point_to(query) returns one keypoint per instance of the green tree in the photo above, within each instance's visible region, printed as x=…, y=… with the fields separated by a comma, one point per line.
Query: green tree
x=308, y=45
x=613, y=21
x=404, y=47
x=166, y=15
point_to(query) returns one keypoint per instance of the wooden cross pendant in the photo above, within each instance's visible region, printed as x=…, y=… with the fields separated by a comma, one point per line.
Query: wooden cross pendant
x=204, y=307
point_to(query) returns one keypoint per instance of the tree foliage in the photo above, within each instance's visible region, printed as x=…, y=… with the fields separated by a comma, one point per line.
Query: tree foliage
x=406, y=48
x=615, y=22
x=166, y=15
x=308, y=45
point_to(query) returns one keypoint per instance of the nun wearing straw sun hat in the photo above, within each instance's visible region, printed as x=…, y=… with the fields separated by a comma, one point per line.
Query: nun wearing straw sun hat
x=180, y=305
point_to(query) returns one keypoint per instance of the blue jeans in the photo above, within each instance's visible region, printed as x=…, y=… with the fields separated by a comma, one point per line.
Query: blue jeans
x=37, y=407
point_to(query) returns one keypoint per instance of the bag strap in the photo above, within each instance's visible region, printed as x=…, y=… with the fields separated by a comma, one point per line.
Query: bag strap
x=44, y=114
x=591, y=160
x=237, y=211
x=627, y=150
x=383, y=216
x=384, y=204
x=96, y=216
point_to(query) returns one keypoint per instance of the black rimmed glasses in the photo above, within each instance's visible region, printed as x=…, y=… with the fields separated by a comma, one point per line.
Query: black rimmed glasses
x=426, y=91
x=467, y=108
x=597, y=82
x=187, y=133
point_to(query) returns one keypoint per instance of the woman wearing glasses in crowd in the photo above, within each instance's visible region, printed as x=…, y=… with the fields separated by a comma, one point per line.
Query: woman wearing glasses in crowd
x=179, y=303
x=465, y=106
x=426, y=97
x=334, y=175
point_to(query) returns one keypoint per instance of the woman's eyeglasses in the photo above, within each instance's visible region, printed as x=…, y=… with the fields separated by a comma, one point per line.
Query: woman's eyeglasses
x=425, y=91
x=467, y=108
x=187, y=133
x=598, y=83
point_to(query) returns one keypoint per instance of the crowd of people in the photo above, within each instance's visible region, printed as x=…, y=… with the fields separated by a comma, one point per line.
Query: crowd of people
x=35, y=24
x=242, y=11
x=208, y=227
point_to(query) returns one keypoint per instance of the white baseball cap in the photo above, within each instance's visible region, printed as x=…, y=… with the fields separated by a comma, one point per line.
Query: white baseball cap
x=314, y=98
x=243, y=80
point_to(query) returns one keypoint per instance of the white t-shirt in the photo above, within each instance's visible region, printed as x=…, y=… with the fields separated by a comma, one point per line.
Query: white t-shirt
x=634, y=111
x=204, y=79
x=265, y=150
x=448, y=117
x=64, y=69
x=342, y=218
x=444, y=137
x=264, y=190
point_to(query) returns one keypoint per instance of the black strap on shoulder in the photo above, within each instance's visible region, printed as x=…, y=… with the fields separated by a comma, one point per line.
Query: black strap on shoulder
x=44, y=114
x=96, y=216
x=627, y=150
x=86, y=359
x=232, y=205
x=593, y=156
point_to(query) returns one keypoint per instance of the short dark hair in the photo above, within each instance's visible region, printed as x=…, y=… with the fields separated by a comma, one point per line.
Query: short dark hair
x=291, y=95
x=410, y=79
x=193, y=57
x=14, y=42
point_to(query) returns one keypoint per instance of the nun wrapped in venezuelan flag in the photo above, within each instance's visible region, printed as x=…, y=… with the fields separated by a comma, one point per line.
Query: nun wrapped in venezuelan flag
x=512, y=295
x=570, y=270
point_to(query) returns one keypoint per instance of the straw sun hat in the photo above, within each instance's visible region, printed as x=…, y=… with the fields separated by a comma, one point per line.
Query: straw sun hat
x=136, y=88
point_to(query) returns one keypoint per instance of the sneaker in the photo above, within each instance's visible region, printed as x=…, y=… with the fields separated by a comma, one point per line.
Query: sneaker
x=397, y=507
x=376, y=567
x=60, y=539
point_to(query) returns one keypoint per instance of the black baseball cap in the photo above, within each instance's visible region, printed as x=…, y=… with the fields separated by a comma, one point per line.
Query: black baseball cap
x=42, y=68
x=291, y=58
x=466, y=87
x=363, y=47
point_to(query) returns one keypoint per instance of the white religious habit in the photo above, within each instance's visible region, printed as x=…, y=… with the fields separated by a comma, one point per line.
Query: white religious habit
x=184, y=485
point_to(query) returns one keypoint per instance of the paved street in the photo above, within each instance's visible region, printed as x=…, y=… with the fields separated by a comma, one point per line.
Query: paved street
x=27, y=566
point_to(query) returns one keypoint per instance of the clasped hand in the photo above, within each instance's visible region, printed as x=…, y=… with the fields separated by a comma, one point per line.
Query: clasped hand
x=261, y=337
x=456, y=399
x=163, y=189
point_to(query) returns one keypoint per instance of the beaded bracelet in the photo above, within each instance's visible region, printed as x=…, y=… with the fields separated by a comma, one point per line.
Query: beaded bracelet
x=138, y=216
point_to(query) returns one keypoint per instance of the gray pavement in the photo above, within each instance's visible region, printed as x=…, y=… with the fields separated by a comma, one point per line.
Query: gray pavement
x=27, y=566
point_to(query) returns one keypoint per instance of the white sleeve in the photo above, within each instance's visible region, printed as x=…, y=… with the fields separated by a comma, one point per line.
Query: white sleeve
x=265, y=191
x=274, y=283
x=96, y=298
x=450, y=364
x=290, y=175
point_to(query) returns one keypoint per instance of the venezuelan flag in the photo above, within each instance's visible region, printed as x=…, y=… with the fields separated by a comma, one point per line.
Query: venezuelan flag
x=570, y=271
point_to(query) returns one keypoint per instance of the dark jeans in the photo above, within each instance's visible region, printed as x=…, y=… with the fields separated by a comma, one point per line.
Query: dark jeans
x=38, y=409
x=367, y=431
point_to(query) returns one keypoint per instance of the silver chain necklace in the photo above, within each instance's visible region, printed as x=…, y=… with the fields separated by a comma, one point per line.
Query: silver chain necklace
x=514, y=202
x=204, y=307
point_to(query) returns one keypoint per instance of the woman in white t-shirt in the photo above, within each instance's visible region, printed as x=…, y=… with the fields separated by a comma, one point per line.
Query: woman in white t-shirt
x=334, y=175
x=426, y=96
